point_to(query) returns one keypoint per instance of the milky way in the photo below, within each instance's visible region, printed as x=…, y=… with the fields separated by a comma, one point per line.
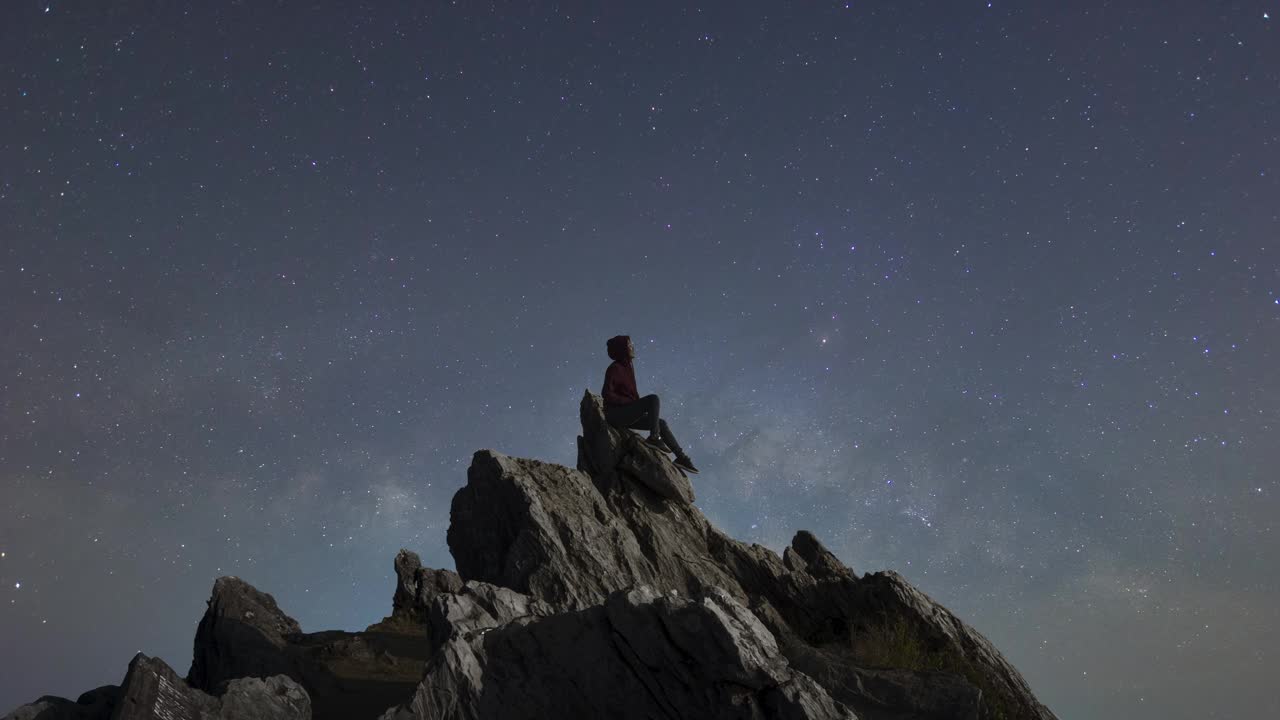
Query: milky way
x=984, y=293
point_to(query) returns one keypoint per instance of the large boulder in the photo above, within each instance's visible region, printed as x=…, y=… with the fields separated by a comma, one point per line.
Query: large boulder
x=544, y=530
x=638, y=655
x=153, y=691
x=478, y=606
x=243, y=633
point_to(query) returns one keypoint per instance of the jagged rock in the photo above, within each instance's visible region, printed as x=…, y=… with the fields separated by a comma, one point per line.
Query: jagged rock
x=151, y=690
x=347, y=675
x=596, y=592
x=545, y=530
x=571, y=538
x=96, y=704
x=808, y=554
x=523, y=524
x=416, y=588
x=479, y=606
x=638, y=655
x=611, y=456
x=419, y=586
x=276, y=697
x=243, y=633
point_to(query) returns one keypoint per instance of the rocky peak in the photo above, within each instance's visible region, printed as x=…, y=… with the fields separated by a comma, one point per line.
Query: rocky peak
x=240, y=634
x=595, y=591
x=416, y=589
x=624, y=518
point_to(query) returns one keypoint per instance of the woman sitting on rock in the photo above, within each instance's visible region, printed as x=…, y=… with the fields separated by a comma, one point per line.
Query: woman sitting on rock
x=625, y=409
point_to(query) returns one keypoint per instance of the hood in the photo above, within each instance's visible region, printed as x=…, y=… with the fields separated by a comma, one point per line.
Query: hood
x=617, y=346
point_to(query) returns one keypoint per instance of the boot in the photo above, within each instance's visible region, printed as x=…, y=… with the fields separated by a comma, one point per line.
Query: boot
x=656, y=442
x=684, y=463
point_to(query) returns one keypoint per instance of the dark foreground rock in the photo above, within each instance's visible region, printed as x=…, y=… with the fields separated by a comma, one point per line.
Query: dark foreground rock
x=348, y=675
x=637, y=655
x=600, y=591
x=417, y=588
x=153, y=691
x=97, y=704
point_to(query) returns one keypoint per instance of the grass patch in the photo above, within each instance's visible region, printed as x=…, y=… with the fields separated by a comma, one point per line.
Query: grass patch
x=899, y=644
x=399, y=625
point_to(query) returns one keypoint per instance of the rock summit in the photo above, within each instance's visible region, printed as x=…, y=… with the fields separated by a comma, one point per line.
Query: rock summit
x=599, y=591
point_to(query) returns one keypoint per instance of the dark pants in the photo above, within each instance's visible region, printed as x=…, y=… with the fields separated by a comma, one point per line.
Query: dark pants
x=643, y=415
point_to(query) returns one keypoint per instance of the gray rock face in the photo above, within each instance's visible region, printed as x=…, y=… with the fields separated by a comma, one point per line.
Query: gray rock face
x=480, y=606
x=544, y=530
x=277, y=697
x=153, y=691
x=638, y=655
x=573, y=538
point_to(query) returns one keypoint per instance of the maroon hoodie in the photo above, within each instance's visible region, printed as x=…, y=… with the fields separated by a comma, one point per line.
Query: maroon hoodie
x=620, y=378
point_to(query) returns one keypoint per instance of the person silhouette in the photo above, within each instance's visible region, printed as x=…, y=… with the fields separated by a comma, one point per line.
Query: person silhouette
x=626, y=410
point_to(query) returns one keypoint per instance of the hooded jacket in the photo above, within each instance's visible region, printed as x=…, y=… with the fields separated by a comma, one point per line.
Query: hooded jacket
x=620, y=379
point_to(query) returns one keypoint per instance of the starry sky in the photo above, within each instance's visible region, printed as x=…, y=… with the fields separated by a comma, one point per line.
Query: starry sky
x=987, y=293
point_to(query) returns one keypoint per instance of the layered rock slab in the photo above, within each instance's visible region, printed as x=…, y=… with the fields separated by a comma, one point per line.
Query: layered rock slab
x=153, y=691
x=638, y=655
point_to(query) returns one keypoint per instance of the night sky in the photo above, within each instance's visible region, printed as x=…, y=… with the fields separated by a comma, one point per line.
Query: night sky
x=984, y=293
